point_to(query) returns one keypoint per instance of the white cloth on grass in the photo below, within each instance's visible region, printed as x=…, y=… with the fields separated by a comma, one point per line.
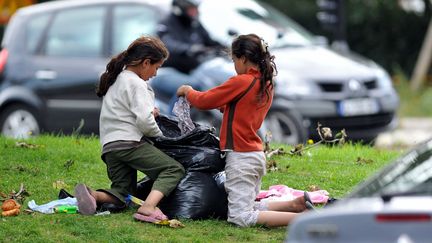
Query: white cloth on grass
x=48, y=208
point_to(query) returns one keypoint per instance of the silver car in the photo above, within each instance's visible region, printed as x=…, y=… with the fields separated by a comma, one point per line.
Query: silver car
x=337, y=89
x=394, y=205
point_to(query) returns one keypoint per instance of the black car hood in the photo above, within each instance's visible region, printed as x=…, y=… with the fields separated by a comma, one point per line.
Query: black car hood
x=318, y=63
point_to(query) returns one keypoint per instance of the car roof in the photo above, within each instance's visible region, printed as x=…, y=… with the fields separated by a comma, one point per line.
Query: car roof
x=28, y=11
x=54, y=5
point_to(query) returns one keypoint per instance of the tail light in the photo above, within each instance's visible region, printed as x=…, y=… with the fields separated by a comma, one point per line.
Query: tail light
x=3, y=58
x=403, y=218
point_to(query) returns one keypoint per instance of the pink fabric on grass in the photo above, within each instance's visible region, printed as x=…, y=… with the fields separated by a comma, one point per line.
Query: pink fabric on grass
x=282, y=192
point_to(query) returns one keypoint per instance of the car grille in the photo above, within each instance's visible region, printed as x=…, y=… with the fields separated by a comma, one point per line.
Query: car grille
x=370, y=84
x=338, y=86
x=330, y=87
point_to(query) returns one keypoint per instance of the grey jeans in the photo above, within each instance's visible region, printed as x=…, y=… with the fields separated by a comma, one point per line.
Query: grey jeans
x=244, y=171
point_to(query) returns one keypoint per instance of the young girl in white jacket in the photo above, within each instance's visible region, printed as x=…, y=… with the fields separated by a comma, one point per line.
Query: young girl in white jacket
x=128, y=115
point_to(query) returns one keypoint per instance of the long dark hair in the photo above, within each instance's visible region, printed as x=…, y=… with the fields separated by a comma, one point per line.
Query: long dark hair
x=140, y=49
x=253, y=48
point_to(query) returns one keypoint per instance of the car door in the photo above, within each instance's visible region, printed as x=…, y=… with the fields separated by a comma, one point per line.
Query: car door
x=69, y=61
x=74, y=52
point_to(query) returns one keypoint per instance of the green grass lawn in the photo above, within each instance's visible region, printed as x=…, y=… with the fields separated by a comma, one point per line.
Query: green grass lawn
x=65, y=161
x=413, y=104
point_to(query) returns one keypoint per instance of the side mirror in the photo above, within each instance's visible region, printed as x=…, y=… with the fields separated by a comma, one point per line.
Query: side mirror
x=320, y=40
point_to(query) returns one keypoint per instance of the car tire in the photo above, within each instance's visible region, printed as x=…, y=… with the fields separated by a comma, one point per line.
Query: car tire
x=19, y=121
x=286, y=127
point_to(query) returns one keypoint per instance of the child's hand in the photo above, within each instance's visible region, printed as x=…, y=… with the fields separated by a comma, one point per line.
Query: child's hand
x=156, y=112
x=183, y=90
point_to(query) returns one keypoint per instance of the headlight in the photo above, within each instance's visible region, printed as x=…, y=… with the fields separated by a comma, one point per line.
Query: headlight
x=383, y=78
x=290, y=85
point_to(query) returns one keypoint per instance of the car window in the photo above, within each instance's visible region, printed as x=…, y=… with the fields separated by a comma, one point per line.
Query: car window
x=130, y=22
x=34, y=31
x=247, y=16
x=76, y=32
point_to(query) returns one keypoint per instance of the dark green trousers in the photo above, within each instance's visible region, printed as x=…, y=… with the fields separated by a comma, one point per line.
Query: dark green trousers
x=122, y=167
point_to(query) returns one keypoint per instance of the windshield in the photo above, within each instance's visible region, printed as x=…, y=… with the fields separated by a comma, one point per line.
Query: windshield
x=249, y=16
x=409, y=175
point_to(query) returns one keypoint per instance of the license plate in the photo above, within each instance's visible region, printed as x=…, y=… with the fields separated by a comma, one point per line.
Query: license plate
x=356, y=107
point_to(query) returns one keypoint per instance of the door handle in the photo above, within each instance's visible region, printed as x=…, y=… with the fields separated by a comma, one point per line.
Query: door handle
x=46, y=74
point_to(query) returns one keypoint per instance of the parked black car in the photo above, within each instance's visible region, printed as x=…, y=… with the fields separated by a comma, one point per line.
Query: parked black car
x=52, y=56
x=53, y=53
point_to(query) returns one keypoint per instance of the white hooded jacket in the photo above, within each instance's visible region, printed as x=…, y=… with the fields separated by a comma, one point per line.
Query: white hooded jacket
x=127, y=110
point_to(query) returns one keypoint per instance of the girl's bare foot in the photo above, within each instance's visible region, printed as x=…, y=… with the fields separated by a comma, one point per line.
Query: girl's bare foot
x=299, y=204
x=148, y=210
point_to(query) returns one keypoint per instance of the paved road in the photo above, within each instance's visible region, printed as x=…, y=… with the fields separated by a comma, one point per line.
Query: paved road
x=411, y=131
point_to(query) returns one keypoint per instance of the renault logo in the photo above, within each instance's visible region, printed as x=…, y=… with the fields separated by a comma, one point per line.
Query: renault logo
x=354, y=85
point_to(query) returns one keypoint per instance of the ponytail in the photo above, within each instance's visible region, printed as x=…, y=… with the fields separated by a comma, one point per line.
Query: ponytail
x=253, y=48
x=113, y=69
x=268, y=70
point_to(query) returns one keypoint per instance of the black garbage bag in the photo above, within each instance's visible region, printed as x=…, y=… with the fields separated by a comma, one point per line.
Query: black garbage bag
x=197, y=150
x=197, y=196
x=222, y=211
x=144, y=187
x=202, y=136
x=220, y=179
x=195, y=158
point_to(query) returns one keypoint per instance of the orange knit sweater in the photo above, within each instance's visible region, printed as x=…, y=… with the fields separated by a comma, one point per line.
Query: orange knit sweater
x=239, y=129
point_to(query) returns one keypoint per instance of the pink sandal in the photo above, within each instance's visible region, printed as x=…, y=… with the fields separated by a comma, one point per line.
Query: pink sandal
x=155, y=217
x=86, y=202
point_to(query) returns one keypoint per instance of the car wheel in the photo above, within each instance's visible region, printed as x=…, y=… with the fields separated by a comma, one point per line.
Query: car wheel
x=285, y=127
x=19, y=121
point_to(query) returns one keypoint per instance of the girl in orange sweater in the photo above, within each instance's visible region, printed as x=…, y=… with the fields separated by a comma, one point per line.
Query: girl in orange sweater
x=245, y=100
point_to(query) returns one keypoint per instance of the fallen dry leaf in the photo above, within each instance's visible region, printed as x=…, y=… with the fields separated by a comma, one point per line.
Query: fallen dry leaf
x=27, y=145
x=174, y=223
x=68, y=164
x=313, y=188
x=272, y=165
x=364, y=160
x=297, y=149
x=29, y=211
x=59, y=184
